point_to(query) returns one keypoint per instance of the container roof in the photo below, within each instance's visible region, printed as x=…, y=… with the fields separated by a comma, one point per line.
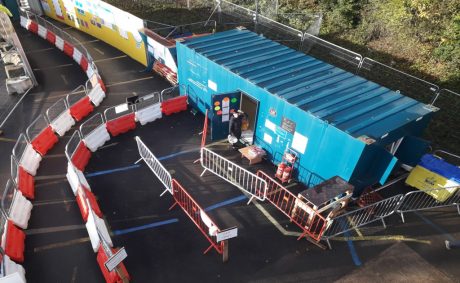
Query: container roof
x=347, y=101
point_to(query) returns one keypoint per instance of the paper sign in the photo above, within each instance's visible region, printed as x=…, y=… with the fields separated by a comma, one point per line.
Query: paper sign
x=116, y=259
x=299, y=143
x=268, y=139
x=212, y=85
x=227, y=234
x=270, y=125
x=121, y=108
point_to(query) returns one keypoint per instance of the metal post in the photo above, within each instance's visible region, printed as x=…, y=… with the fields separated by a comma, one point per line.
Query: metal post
x=383, y=222
x=402, y=217
x=225, y=251
x=329, y=244
x=256, y=16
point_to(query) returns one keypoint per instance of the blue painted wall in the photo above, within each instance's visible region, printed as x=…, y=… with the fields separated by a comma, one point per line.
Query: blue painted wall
x=329, y=151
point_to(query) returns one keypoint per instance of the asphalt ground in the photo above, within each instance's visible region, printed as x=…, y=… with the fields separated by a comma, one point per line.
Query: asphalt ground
x=165, y=246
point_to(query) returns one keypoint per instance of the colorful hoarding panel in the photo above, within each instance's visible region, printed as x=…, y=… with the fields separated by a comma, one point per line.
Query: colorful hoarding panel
x=103, y=21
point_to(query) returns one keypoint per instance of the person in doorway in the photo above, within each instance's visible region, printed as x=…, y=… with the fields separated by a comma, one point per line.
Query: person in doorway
x=236, y=122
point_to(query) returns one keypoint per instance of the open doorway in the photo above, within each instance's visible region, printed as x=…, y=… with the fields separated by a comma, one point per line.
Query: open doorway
x=250, y=106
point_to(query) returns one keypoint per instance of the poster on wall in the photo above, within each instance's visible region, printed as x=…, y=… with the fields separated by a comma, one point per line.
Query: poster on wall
x=57, y=8
x=46, y=7
x=299, y=143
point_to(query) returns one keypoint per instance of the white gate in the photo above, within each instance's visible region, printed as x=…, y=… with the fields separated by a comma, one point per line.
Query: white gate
x=234, y=174
x=157, y=168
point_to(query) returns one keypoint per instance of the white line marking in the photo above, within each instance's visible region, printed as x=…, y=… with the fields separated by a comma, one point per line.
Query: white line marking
x=98, y=50
x=64, y=79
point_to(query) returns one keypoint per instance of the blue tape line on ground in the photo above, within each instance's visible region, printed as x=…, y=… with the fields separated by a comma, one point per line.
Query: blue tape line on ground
x=178, y=153
x=226, y=202
x=436, y=227
x=147, y=226
x=104, y=172
x=112, y=171
x=354, y=254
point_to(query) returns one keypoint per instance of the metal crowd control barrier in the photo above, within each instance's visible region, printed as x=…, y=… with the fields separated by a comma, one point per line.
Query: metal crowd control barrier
x=59, y=117
x=94, y=132
x=79, y=103
x=105, y=251
x=27, y=157
x=300, y=212
x=172, y=92
x=234, y=174
x=15, y=206
x=41, y=135
x=155, y=165
x=24, y=181
x=148, y=108
x=120, y=119
x=76, y=151
x=200, y=218
x=15, y=272
x=360, y=217
x=422, y=200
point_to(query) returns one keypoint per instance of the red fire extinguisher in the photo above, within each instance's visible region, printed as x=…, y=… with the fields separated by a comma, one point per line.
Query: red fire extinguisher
x=286, y=174
x=280, y=170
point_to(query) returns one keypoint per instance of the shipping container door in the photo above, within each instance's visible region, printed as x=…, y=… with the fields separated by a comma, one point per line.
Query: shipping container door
x=222, y=107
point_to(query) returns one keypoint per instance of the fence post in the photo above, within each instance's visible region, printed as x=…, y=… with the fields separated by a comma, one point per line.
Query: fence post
x=225, y=251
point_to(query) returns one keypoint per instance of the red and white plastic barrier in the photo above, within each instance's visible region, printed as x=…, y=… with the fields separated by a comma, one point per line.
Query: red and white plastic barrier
x=174, y=105
x=59, y=42
x=96, y=95
x=63, y=123
x=110, y=277
x=68, y=49
x=77, y=55
x=51, y=37
x=25, y=22
x=28, y=158
x=33, y=27
x=44, y=141
x=86, y=201
x=76, y=178
x=81, y=156
x=148, y=109
x=120, y=119
x=42, y=31
x=15, y=205
x=12, y=272
x=13, y=241
x=79, y=103
x=94, y=132
x=84, y=64
x=24, y=181
x=59, y=117
x=81, y=108
x=95, y=227
x=41, y=135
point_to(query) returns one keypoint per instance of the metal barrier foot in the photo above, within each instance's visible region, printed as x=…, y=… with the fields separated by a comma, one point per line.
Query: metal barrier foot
x=458, y=206
x=172, y=206
x=384, y=224
x=163, y=192
x=204, y=171
x=402, y=217
x=140, y=159
x=208, y=249
x=250, y=200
